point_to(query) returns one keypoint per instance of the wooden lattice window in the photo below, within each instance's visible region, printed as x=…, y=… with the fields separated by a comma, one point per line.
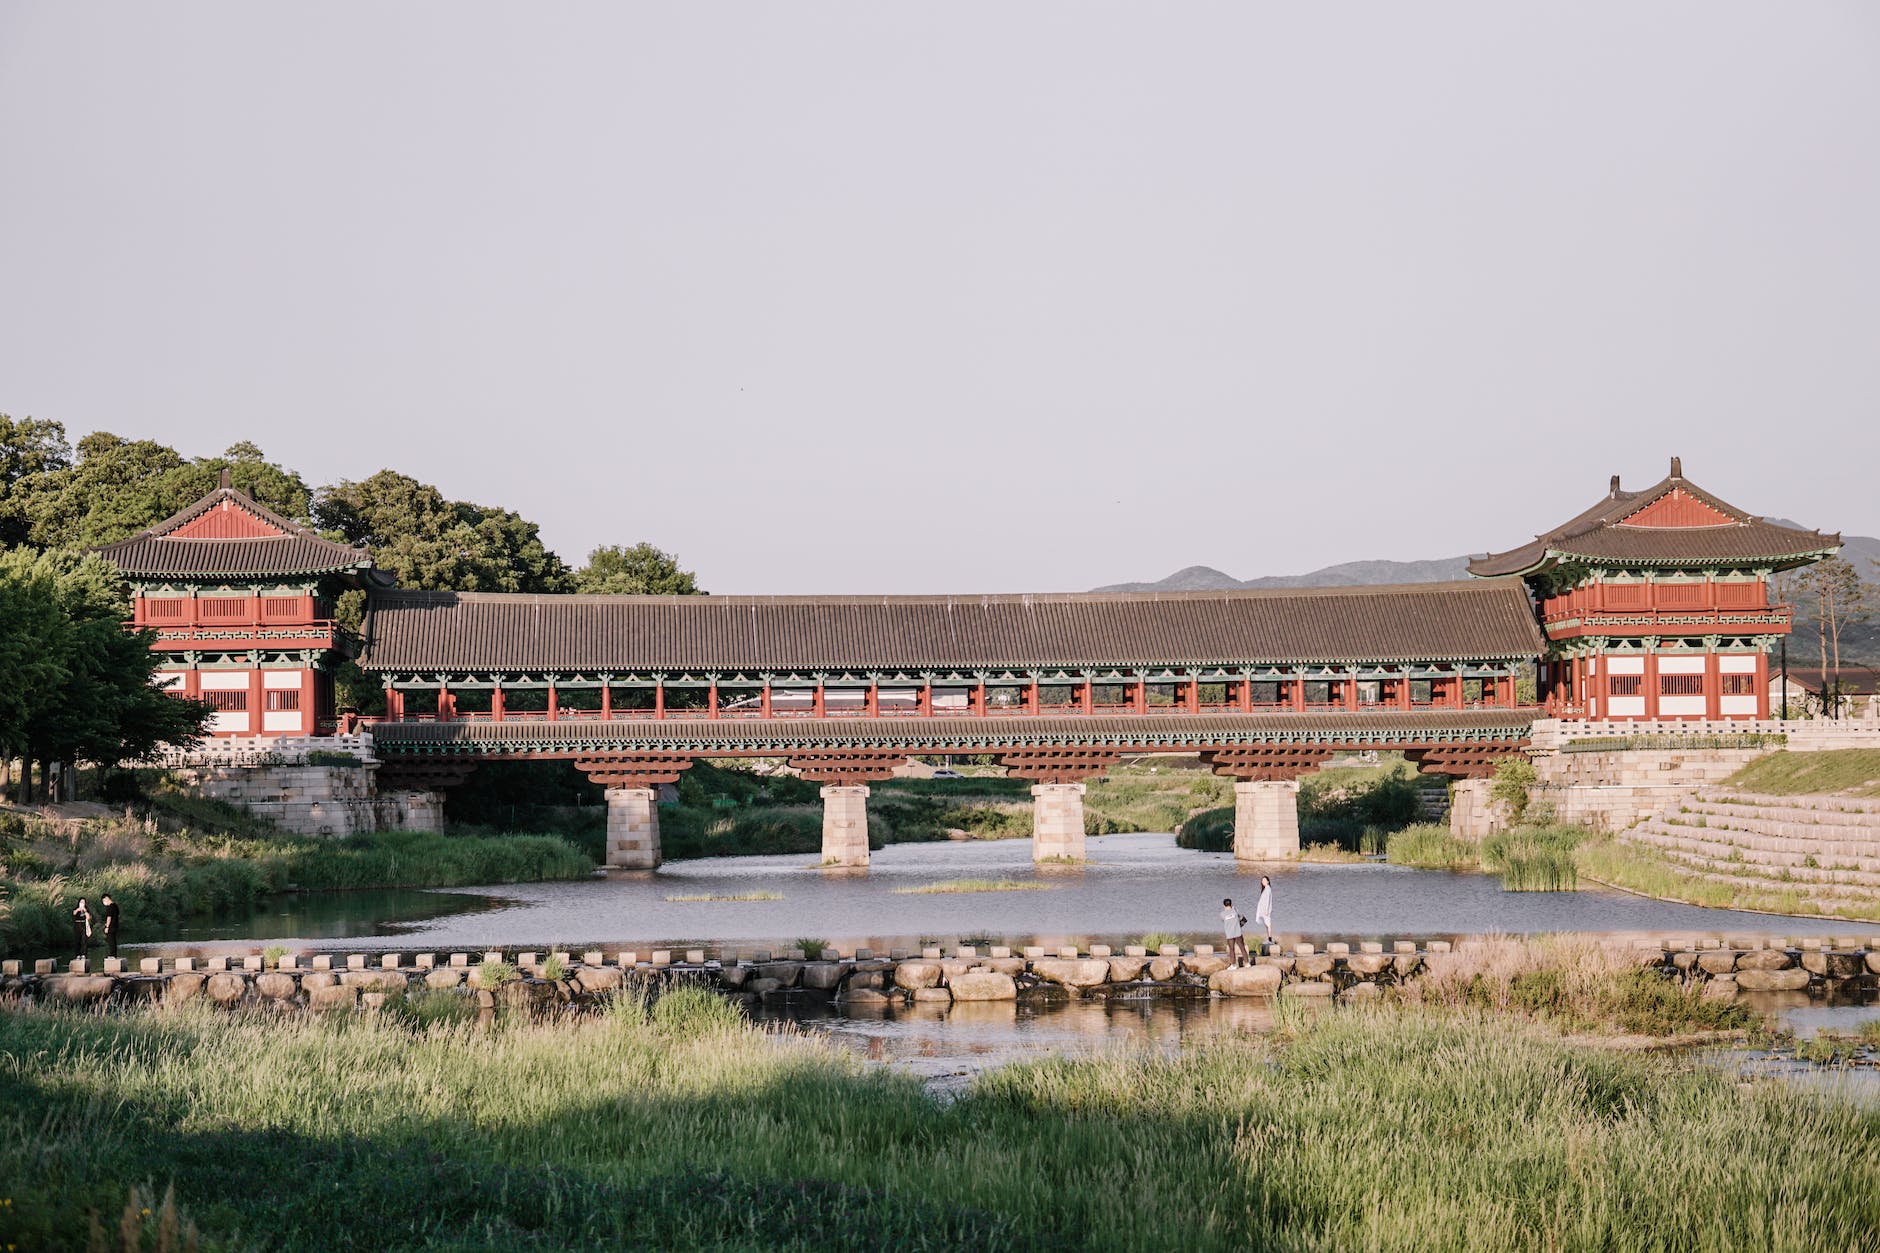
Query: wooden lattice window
x=280, y=606
x=166, y=608
x=1745, y=593
x=1680, y=685
x=283, y=700
x=1627, y=684
x=233, y=701
x=222, y=608
x=1625, y=595
x=1739, y=685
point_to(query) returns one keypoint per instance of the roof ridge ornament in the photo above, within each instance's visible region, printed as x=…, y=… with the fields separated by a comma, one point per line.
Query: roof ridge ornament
x=1677, y=467
x=227, y=482
x=1612, y=492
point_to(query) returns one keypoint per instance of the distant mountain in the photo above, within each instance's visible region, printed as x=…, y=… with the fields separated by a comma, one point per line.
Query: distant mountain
x=1346, y=574
x=1860, y=641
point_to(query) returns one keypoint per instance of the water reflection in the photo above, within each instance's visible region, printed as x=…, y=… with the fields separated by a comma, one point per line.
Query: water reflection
x=316, y=916
x=947, y=1047
x=1135, y=884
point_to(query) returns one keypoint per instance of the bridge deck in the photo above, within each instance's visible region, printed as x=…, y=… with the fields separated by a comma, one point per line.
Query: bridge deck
x=1150, y=733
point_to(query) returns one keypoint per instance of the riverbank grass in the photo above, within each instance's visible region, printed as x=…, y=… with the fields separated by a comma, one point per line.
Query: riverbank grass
x=727, y=896
x=1430, y=846
x=680, y=1126
x=1855, y=771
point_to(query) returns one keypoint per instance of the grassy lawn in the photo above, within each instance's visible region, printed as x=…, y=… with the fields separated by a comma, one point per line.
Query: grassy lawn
x=160, y=872
x=1855, y=771
x=1463, y=1121
x=1650, y=873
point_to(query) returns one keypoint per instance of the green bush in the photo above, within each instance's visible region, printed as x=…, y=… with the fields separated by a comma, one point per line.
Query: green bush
x=1513, y=777
x=1210, y=831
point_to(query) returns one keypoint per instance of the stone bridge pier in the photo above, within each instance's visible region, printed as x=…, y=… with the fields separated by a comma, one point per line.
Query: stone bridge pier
x=1266, y=820
x=1057, y=796
x=632, y=828
x=845, y=825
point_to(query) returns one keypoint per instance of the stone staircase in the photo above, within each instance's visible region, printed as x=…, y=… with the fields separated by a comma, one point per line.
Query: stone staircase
x=1824, y=846
x=1433, y=804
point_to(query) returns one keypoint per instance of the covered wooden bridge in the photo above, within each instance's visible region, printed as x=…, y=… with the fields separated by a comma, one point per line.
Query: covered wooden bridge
x=1264, y=685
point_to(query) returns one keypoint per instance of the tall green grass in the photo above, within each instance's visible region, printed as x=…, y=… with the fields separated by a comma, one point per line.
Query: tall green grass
x=1430, y=846
x=160, y=877
x=1785, y=773
x=681, y=1127
x=1534, y=859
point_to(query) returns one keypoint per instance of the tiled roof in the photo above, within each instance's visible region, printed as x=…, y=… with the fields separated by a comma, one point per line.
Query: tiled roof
x=504, y=633
x=1600, y=534
x=292, y=550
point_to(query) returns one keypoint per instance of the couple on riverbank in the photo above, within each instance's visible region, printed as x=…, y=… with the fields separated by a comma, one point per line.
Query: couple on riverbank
x=1233, y=924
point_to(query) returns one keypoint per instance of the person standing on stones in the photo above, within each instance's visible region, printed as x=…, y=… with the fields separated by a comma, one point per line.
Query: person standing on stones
x=81, y=928
x=110, y=924
x=1263, y=912
x=1231, y=925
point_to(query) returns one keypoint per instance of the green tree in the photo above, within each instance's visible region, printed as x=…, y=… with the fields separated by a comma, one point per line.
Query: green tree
x=426, y=541
x=29, y=450
x=641, y=570
x=92, y=698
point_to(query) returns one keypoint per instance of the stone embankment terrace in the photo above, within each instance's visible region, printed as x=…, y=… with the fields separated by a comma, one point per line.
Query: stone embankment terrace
x=1825, y=847
x=1722, y=966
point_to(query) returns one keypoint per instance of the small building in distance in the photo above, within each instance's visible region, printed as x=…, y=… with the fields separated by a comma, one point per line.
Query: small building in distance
x=1656, y=603
x=241, y=603
x=1856, y=687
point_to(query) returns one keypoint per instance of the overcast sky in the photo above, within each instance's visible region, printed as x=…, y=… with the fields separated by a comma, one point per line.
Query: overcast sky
x=964, y=297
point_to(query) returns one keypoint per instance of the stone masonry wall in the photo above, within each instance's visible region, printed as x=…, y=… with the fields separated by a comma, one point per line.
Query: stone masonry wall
x=318, y=800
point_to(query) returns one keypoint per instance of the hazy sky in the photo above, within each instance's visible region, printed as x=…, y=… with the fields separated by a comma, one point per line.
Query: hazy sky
x=964, y=297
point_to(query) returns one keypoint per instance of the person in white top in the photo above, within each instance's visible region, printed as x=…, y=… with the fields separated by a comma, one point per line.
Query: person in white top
x=1231, y=924
x=1263, y=912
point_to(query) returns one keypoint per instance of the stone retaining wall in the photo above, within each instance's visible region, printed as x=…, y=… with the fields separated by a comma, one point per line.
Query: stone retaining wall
x=318, y=800
x=1722, y=965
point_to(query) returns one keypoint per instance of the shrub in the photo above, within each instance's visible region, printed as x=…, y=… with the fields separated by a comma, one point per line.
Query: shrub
x=1210, y=831
x=490, y=974
x=1513, y=777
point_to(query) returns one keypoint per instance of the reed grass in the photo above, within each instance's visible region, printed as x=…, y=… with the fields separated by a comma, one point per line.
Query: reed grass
x=1534, y=859
x=1649, y=872
x=974, y=885
x=728, y=896
x=1430, y=846
x=682, y=1127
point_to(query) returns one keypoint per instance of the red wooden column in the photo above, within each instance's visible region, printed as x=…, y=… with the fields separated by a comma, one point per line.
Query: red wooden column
x=659, y=698
x=1194, y=695
x=1713, y=687
x=1350, y=693
x=873, y=708
x=1762, y=685
x=1031, y=697
x=763, y=701
x=1299, y=693
x=394, y=699
x=607, y=700
x=979, y=699
x=258, y=699
x=923, y=700
x=554, y=702
x=1403, y=690
x=1140, y=698
x=711, y=699
x=446, y=707
x=1243, y=695
x=496, y=703
x=1650, y=685
x=817, y=707
x=1087, y=696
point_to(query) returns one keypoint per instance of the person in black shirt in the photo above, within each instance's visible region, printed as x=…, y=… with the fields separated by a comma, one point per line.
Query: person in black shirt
x=81, y=928
x=110, y=924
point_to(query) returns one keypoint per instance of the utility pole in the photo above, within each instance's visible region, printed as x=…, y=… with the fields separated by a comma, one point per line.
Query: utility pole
x=1785, y=678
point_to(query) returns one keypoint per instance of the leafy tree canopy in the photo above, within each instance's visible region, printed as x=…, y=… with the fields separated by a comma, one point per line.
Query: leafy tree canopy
x=641, y=570
x=426, y=541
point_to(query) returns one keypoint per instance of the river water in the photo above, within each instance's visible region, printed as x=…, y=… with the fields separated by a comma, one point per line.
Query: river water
x=1134, y=884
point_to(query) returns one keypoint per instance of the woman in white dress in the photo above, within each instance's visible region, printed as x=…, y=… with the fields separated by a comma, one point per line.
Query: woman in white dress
x=1263, y=912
